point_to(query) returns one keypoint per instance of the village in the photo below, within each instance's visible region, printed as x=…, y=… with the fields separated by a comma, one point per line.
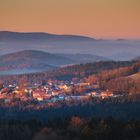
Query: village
x=49, y=93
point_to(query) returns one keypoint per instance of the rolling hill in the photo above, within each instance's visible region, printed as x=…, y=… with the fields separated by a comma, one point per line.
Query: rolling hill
x=30, y=61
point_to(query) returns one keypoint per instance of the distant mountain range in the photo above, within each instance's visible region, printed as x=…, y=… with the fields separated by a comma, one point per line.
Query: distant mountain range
x=30, y=61
x=40, y=36
x=120, y=49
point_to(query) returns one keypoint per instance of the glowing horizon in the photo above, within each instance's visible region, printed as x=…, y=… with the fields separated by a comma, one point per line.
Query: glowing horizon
x=94, y=18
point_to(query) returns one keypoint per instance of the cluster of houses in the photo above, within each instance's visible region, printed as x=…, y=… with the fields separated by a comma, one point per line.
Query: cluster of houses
x=48, y=92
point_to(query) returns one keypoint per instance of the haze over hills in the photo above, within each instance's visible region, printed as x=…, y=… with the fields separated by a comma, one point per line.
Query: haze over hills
x=120, y=49
x=84, y=58
x=30, y=61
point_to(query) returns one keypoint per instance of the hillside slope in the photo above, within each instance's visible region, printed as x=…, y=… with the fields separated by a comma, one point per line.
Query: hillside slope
x=31, y=60
x=135, y=76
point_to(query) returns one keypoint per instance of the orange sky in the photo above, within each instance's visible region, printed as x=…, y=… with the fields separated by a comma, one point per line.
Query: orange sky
x=95, y=18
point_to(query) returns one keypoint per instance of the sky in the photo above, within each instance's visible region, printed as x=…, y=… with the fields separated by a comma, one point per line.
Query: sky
x=95, y=18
